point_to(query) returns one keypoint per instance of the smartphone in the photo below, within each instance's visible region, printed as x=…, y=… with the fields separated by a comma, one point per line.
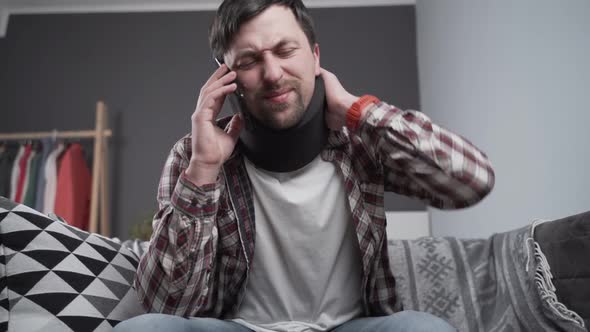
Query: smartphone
x=238, y=93
x=236, y=100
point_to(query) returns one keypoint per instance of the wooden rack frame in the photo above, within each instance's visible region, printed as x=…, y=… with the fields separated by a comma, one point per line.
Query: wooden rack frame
x=99, y=189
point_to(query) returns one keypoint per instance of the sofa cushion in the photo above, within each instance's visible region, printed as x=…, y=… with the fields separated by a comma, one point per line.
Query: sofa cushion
x=55, y=277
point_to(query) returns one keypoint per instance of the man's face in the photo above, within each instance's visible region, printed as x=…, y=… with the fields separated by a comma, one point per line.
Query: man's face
x=276, y=67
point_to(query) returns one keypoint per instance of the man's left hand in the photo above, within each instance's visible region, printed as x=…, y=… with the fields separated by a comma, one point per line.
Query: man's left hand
x=339, y=100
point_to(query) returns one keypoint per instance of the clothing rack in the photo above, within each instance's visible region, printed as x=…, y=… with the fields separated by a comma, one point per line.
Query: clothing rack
x=99, y=184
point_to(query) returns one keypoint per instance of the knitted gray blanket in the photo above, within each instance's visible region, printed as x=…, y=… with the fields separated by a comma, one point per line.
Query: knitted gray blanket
x=498, y=284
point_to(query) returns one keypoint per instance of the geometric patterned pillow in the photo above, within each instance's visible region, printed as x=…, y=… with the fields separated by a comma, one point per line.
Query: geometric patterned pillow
x=55, y=277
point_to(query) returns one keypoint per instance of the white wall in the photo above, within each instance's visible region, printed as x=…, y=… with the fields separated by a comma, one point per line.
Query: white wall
x=514, y=78
x=407, y=225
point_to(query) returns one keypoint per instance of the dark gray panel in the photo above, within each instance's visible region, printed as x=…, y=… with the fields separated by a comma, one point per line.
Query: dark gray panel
x=148, y=67
x=372, y=50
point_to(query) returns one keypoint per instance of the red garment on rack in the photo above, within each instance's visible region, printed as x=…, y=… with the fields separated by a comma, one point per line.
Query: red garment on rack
x=22, y=164
x=72, y=197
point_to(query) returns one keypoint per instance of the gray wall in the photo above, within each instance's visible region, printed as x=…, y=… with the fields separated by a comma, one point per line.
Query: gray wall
x=148, y=67
x=514, y=77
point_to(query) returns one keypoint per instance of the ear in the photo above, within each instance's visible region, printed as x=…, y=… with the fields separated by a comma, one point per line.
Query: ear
x=316, y=55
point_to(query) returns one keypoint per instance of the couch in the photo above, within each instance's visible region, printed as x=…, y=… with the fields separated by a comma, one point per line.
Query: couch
x=54, y=277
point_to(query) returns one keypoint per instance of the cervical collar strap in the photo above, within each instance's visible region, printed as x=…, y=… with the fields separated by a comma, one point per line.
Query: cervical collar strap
x=289, y=149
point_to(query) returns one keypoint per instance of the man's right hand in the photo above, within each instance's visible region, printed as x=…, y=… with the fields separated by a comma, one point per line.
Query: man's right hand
x=212, y=145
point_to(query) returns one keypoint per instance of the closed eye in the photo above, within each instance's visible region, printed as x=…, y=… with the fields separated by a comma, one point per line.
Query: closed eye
x=246, y=63
x=285, y=52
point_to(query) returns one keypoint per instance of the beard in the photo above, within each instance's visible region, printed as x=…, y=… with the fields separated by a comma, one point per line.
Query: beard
x=268, y=112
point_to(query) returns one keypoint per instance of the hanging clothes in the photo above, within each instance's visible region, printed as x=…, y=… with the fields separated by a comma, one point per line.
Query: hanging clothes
x=14, y=175
x=22, y=176
x=6, y=163
x=46, y=148
x=31, y=181
x=51, y=179
x=72, y=200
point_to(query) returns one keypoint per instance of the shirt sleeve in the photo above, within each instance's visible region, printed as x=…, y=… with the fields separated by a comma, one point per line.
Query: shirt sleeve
x=173, y=275
x=423, y=160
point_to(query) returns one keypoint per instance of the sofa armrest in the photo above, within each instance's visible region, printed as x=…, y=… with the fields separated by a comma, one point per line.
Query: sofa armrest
x=565, y=244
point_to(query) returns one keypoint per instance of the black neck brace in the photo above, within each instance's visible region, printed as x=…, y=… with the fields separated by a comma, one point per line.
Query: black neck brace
x=289, y=149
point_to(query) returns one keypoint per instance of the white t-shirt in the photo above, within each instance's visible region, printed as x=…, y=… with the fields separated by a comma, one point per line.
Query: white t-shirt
x=306, y=270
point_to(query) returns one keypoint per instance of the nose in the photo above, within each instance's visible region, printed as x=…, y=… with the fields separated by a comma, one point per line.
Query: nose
x=272, y=70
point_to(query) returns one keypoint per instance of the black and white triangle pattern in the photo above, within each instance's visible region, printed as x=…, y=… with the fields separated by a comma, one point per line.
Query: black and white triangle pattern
x=55, y=277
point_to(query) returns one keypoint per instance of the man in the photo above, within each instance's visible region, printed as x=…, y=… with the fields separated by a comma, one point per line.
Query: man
x=244, y=241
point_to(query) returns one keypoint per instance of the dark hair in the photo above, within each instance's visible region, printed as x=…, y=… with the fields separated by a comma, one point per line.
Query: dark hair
x=233, y=13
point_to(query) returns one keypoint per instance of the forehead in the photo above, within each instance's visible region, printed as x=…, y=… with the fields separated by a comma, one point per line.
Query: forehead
x=276, y=23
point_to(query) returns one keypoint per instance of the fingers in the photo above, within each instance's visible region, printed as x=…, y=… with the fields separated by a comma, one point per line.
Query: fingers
x=210, y=103
x=221, y=91
x=221, y=78
x=326, y=74
x=217, y=74
x=235, y=127
x=329, y=77
x=213, y=92
x=225, y=79
x=331, y=82
x=339, y=100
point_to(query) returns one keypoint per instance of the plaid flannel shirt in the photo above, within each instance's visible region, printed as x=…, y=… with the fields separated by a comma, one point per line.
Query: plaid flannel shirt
x=203, y=241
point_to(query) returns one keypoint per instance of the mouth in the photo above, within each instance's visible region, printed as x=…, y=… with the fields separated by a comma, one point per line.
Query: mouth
x=279, y=96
